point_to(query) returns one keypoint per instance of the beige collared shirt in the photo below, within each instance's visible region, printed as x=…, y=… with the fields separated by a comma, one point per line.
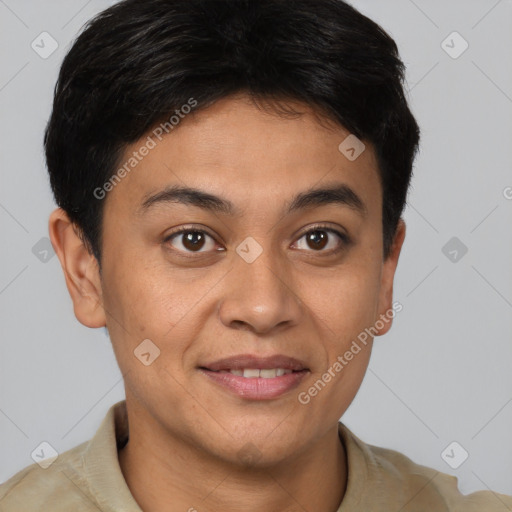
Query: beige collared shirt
x=88, y=478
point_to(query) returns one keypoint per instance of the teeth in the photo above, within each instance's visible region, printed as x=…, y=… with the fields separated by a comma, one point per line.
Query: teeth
x=248, y=373
x=267, y=373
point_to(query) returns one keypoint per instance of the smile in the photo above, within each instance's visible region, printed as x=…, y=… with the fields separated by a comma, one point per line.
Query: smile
x=254, y=373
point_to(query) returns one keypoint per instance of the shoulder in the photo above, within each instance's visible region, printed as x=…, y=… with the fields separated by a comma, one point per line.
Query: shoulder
x=430, y=486
x=393, y=479
x=59, y=487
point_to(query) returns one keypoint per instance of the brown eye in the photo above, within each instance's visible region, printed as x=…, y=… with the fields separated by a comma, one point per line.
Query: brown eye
x=191, y=241
x=317, y=239
x=322, y=239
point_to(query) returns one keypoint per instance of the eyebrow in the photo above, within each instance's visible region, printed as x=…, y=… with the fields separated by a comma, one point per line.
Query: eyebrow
x=315, y=197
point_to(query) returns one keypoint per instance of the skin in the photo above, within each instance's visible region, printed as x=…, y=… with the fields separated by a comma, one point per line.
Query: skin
x=187, y=433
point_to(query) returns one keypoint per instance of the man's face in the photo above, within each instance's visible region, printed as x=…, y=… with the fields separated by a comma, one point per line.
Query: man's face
x=269, y=278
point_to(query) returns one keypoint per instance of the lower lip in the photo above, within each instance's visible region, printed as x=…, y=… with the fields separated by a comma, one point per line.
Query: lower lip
x=257, y=388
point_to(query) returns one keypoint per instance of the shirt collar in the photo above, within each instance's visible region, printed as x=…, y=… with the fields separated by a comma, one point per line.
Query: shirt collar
x=101, y=463
x=106, y=481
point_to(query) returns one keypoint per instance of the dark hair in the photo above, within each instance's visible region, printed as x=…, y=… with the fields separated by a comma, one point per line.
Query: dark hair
x=137, y=62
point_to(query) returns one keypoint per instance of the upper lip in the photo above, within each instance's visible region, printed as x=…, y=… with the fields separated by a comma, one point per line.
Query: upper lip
x=243, y=361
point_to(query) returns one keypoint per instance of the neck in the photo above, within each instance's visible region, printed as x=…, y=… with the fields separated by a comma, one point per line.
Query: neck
x=169, y=475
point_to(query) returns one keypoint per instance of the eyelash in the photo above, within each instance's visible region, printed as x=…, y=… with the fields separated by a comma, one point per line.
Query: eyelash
x=344, y=238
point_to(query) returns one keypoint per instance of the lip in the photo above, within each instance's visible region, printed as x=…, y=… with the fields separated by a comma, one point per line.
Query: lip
x=256, y=388
x=241, y=361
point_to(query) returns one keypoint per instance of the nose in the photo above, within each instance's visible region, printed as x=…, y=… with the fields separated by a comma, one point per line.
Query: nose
x=260, y=296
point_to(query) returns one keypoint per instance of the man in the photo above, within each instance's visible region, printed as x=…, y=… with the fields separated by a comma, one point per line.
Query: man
x=230, y=176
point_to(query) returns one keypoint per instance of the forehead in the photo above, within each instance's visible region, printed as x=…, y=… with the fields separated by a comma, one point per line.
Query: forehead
x=253, y=156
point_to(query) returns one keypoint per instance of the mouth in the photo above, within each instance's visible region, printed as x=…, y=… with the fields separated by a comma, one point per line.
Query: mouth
x=256, y=378
x=255, y=373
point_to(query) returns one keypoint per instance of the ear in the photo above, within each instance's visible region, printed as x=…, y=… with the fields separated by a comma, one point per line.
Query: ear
x=81, y=270
x=387, y=278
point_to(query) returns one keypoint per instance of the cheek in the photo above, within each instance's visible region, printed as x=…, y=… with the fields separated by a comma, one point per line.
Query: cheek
x=151, y=301
x=345, y=308
x=344, y=302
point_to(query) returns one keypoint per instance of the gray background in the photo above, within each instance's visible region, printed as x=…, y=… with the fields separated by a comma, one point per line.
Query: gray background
x=441, y=375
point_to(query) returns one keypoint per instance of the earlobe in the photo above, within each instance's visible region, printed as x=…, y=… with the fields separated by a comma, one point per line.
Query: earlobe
x=81, y=270
x=386, y=311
